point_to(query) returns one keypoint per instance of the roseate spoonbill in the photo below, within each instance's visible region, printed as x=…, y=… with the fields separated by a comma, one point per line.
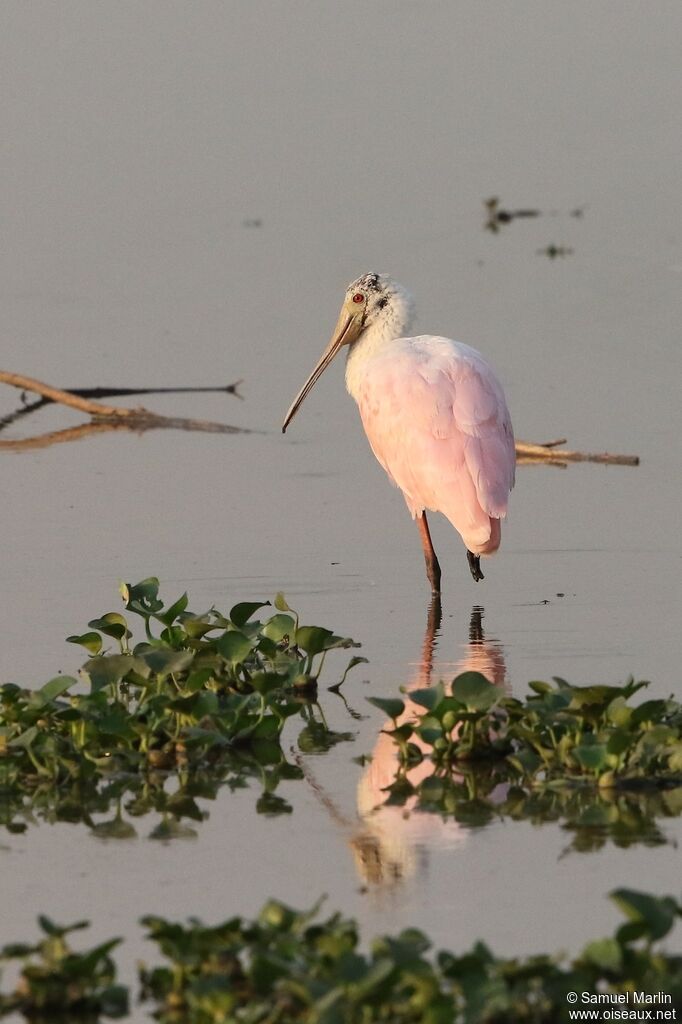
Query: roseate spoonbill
x=434, y=413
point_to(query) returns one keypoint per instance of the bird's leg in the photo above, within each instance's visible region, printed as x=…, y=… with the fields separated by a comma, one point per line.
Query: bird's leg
x=475, y=566
x=432, y=566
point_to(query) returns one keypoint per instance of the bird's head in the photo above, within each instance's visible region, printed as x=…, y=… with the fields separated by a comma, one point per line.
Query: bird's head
x=372, y=302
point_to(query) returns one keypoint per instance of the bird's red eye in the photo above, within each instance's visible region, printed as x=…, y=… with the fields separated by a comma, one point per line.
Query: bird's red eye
x=358, y=297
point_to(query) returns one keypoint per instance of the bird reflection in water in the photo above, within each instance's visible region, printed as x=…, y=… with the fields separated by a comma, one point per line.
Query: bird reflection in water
x=394, y=843
x=390, y=843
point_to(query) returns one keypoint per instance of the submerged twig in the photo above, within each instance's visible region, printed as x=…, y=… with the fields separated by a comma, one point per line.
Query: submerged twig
x=17, y=380
x=105, y=426
x=61, y=436
x=526, y=452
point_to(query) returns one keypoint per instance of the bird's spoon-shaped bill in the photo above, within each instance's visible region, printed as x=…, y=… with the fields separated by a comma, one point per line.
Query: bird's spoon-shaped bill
x=347, y=329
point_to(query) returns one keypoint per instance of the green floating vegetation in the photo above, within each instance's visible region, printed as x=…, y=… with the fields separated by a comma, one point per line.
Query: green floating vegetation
x=57, y=984
x=584, y=756
x=292, y=968
x=199, y=704
x=579, y=733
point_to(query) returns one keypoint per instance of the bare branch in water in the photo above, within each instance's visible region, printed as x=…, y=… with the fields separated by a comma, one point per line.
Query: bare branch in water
x=17, y=380
x=29, y=407
x=104, y=417
x=549, y=452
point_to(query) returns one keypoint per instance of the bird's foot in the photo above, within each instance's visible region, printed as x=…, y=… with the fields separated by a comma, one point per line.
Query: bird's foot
x=475, y=566
x=435, y=586
x=433, y=574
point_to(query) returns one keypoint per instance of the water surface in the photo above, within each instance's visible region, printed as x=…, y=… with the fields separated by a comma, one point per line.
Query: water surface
x=186, y=193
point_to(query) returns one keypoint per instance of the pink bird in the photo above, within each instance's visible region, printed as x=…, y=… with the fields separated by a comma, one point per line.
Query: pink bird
x=434, y=413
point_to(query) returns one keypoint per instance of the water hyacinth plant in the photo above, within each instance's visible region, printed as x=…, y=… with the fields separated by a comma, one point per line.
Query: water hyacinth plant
x=576, y=733
x=203, y=699
x=58, y=984
x=290, y=967
x=585, y=756
x=199, y=705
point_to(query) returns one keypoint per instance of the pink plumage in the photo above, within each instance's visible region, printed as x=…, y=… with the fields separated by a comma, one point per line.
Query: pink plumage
x=437, y=421
x=434, y=413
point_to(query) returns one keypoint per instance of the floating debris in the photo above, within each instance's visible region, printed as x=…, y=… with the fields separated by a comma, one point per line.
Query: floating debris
x=553, y=252
x=497, y=216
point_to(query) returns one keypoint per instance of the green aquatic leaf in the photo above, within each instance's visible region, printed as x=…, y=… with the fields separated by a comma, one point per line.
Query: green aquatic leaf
x=391, y=706
x=314, y=639
x=143, y=597
x=266, y=682
x=586, y=696
x=278, y=627
x=106, y=670
x=649, y=711
x=474, y=691
x=606, y=954
x=242, y=612
x=197, y=626
x=655, y=913
x=674, y=756
x=618, y=712
x=24, y=739
x=55, y=688
x=430, y=734
x=58, y=930
x=592, y=755
x=429, y=697
x=162, y=662
x=198, y=680
x=267, y=729
x=234, y=647
x=112, y=624
x=526, y=760
x=91, y=641
x=173, y=611
x=619, y=741
x=116, y=723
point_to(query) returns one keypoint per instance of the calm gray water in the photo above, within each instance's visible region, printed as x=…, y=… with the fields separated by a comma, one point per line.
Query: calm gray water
x=186, y=191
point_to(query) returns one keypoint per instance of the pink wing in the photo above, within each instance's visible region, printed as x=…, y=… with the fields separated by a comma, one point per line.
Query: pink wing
x=437, y=421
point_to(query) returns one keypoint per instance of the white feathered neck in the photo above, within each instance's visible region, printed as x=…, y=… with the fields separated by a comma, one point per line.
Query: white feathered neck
x=390, y=314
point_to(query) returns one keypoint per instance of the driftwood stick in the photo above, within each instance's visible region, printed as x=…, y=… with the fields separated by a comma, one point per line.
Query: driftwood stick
x=17, y=380
x=104, y=417
x=528, y=452
x=35, y=404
